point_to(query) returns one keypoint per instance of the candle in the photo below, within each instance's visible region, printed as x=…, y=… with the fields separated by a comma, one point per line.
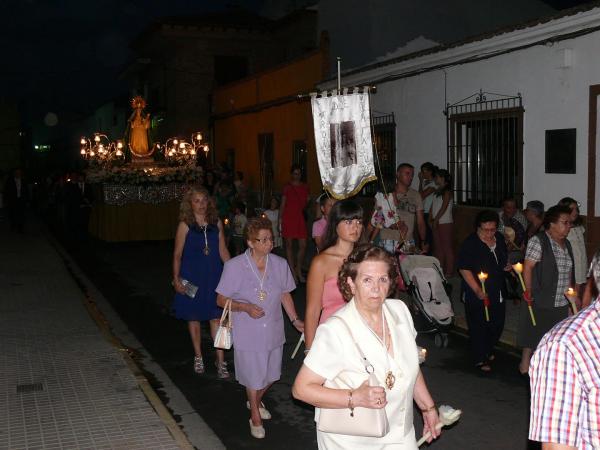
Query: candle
x=482, y=277
x=518, y=268
x=422, y=354
x=226, y=221
x=571, y=296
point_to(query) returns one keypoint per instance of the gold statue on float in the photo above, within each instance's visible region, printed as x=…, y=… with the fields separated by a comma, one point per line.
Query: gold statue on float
x=138, y=129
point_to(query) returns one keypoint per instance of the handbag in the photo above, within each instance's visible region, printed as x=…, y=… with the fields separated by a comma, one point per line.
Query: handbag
x=366, y=422
x=223, y=339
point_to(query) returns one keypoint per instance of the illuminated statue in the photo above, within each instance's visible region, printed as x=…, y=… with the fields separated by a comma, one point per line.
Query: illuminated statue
x=138, y=129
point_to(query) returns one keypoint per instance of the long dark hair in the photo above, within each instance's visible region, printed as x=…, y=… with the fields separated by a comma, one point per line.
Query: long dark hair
x=568, y=201
x=342, y=210
x=447, y=187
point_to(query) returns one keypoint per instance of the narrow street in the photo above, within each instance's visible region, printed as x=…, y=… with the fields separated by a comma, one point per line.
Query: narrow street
x=135, y=278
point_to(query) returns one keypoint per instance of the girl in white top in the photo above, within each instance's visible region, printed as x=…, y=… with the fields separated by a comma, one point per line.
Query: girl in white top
x=384, y=330
x=577, y=240
x=273, y=215
x=441, y=221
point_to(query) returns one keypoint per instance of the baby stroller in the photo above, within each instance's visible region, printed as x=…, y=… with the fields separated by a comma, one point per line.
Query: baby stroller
x=429, y=292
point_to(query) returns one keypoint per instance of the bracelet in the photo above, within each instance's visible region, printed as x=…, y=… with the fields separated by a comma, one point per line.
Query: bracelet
x=306, y=351
x=350, y=404
x=426, y=410
x=294, y=320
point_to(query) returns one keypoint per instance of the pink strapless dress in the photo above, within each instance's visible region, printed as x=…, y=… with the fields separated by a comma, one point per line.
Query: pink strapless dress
x=332, y=299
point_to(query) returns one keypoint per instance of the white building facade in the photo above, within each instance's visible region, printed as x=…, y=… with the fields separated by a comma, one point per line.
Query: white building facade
x=553, y=66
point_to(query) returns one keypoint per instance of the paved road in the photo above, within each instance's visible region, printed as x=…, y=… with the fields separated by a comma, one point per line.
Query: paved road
x=135, y=277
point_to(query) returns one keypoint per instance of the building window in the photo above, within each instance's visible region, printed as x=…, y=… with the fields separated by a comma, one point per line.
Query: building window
x=561, y=150
x=485, y=149
x=299, y=157
x=265, y=161
x=384, y=152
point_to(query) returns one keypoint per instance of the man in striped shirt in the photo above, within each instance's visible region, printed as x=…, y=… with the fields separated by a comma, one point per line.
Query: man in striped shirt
x=565, y=381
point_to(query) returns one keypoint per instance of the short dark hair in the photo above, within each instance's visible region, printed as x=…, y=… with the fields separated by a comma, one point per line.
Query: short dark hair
x=508, y=199
x=295, y=167
x=429, y=166
x=323, y=199
x=343, y=210
x=404, y=165
x=554, y=213
x=568, y=201
x=487, y=215
x=365, y=252
x=256, y=224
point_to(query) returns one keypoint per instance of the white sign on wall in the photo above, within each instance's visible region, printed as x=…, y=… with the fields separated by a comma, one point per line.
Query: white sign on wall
x=343, y=141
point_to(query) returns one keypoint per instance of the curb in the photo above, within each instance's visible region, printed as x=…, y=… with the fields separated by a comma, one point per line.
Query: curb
x=98, y=317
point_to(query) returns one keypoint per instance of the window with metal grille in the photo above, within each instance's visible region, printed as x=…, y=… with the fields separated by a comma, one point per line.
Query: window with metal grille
x=384, y=143
x=485, y=149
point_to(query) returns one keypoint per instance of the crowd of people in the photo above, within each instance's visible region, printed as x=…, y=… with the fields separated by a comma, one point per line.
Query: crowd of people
x=352, y=320
x=223, y=255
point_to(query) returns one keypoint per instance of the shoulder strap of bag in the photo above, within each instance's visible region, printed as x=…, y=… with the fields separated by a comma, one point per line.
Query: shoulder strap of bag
x=226, y=315
x=368, y=366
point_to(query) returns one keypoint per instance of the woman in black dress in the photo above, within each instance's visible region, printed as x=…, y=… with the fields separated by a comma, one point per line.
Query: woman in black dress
x=484, y=251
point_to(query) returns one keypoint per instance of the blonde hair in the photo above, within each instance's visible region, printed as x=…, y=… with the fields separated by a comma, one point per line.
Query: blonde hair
x=186, y=214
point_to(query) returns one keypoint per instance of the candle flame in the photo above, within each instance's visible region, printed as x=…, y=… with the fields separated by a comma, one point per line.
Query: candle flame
x=482, y=276
x=571, y=292
x=518, y=267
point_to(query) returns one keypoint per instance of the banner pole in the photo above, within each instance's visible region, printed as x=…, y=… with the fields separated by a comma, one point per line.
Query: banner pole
x=339, y=74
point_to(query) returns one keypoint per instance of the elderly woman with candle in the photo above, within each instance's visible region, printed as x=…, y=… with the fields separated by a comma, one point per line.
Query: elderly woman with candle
x=258, y=284
x=548, y=273
x=483, y=256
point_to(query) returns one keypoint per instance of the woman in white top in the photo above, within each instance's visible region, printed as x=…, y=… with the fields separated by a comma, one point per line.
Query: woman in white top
x=273, y=215
x=441, y=221
x=384, y=330
x=577, y=240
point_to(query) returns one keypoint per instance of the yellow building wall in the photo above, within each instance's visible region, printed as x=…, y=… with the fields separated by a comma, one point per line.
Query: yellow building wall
x=290, y=121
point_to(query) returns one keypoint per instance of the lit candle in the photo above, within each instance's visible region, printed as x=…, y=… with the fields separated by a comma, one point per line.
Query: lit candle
x=482, y=277
x=571, y=296
x=422, y=354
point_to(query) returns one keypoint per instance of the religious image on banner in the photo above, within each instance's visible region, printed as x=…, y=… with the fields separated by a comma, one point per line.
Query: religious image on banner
x=343, y=141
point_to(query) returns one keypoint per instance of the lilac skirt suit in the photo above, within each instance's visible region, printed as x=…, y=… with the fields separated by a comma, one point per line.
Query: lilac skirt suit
x=257, y=343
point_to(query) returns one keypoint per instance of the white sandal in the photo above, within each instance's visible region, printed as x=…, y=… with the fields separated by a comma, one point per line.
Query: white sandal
x=257, y=431
x=264, y=412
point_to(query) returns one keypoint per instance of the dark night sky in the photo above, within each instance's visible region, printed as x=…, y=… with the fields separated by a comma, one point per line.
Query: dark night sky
x=64, y=55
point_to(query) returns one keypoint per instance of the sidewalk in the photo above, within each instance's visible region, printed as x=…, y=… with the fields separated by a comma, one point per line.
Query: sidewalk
x=62, y=384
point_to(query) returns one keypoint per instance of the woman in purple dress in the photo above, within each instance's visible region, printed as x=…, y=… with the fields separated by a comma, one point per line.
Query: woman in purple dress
x=198, y=258
x=258, y=284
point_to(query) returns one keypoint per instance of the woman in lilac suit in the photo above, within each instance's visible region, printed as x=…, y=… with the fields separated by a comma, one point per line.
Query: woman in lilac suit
x=258, y=283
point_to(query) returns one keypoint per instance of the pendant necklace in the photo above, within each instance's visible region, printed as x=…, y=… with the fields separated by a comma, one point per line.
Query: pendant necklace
x=390, y=378
x=262, y=294
x=206, y=247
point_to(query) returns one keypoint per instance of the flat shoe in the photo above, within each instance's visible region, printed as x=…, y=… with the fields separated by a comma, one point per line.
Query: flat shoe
x=264, y=412
x=256, y=431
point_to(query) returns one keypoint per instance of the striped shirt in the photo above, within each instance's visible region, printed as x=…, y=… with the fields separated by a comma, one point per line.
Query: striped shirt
x=565, y=383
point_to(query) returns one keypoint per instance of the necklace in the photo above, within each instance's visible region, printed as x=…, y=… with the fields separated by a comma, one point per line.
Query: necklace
x=262, y=294
x=390, y=378
x=206, y=247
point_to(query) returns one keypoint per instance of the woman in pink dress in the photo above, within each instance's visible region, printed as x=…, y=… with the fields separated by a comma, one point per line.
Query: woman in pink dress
x=323, y=297
x=293, y=225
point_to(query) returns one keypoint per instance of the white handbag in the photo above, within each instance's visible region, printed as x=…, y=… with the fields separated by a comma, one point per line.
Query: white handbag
x=223, y=339
x=365, y=421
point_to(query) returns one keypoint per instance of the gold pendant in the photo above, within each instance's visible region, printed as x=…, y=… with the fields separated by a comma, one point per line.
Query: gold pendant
x=390, y=379
x=206, y=251
x=262, y=295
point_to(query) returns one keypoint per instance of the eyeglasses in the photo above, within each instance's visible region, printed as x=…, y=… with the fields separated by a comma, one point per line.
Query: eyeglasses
x=567, y=223
x=264, y=240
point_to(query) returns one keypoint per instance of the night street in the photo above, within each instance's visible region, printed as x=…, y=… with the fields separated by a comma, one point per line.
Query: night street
x=134, y=277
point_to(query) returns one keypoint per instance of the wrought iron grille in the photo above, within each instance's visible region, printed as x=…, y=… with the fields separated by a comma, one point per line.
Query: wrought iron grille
x=485, y=148
x=384, y=142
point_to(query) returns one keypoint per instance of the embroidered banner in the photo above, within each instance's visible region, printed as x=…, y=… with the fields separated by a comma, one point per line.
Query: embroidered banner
x=343, y=141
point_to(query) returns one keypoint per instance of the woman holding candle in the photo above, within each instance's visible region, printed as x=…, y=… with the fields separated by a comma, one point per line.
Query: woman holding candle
x=483, y=255
x=548, y=272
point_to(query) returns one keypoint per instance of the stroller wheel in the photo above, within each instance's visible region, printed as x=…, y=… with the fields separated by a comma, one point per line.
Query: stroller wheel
x=444, y=340
x=438, y=340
